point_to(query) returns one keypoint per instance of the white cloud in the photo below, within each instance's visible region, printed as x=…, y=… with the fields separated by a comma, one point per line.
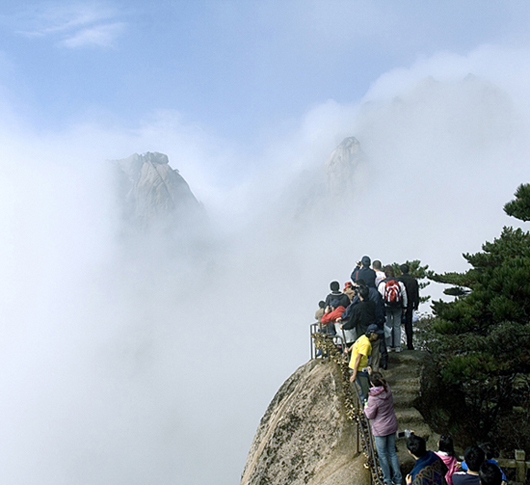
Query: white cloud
x=99, y=36
x=73, y=26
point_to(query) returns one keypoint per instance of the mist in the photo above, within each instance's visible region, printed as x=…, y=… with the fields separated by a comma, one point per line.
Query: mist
x=124, y=363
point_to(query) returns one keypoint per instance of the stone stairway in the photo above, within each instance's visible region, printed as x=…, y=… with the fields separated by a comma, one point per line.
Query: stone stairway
x=403, y=376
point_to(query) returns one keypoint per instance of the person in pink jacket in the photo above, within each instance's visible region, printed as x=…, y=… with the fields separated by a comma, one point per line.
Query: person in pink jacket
x=380, y=411
x=446, y=452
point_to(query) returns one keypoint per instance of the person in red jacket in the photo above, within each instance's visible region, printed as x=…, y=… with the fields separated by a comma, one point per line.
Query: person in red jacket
x=332, y=312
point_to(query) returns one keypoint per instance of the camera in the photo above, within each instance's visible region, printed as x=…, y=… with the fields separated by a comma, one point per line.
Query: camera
x=404, y=434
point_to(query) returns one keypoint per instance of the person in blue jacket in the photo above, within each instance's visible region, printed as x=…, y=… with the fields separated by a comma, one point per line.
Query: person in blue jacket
x=363, y=272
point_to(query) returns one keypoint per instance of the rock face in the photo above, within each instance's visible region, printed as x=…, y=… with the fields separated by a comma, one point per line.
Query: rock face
x=342, y=165
x=152, y=193
x=317, y=194
x=305, y=436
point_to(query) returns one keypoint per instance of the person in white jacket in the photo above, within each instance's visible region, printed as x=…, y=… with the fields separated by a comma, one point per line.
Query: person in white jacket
x=379, y=273
x=395, y=297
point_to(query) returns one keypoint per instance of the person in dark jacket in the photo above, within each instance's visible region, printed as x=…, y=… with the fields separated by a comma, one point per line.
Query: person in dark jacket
x=413, y=301
x=336, y=294
x=363, y=272
x=373, y=295
x=380, y=359
x=429, y=468
x=363, y=317
x=490, y=474
x=490, y=452
x=474, y=457
x=362, y=314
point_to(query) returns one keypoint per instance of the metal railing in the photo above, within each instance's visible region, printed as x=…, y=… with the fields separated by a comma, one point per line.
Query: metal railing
x=318, y=328
x=352, y=400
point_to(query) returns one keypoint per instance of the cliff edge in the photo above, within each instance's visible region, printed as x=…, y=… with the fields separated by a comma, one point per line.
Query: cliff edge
x=305, y=436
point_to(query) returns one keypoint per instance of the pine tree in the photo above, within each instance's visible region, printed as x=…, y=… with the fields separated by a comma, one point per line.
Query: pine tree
x=481, y=340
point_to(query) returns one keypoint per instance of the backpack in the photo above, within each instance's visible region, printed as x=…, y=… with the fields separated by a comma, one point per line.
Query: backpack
x=393, y=296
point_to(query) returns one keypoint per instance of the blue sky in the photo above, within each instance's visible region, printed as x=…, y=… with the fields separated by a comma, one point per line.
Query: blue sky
x=237, y=68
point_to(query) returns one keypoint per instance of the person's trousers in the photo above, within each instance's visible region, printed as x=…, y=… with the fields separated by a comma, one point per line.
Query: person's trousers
x=376, y=355
x=408, y=327
x=364, y=384
x=386, y=450
x=393, y=322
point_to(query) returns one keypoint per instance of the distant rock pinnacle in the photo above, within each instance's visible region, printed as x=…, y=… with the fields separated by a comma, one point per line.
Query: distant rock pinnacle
x=341, y=166
x=151, y=192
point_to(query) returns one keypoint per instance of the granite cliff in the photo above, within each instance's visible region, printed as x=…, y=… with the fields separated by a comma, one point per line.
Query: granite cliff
x=342, y=165
x=305, y=436
x=151, y=193
x=317, y=193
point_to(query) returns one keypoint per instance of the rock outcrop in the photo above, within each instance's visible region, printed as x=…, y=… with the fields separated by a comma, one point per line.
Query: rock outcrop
x=152, y=193
x=342, y=165
x=317, y=194
x=305, y=436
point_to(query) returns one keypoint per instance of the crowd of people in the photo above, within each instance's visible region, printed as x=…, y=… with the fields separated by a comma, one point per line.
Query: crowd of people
x=478, y=467
x=369, y=313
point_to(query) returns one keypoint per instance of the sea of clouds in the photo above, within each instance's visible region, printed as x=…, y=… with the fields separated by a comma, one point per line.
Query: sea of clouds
x=122, y=363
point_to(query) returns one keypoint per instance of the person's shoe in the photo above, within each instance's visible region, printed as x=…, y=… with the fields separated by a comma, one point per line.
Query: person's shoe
x=397, y=349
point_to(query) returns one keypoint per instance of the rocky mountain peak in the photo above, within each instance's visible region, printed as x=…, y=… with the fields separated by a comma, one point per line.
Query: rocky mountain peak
x=341, y=166
x=155, y=157
x=152, y=193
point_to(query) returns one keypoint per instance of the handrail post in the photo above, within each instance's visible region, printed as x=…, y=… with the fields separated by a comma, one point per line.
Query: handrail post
x=358, y=438
x=313, y=328
x=311, y=342
x=520, y=466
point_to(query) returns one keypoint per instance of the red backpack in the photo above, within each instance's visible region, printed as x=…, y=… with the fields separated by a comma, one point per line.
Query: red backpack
x=393, y=296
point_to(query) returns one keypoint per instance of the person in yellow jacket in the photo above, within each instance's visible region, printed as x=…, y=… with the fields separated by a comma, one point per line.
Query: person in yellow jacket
x=361, y=350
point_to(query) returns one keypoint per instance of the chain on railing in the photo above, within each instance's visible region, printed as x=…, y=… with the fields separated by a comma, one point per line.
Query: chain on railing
x=354, y=407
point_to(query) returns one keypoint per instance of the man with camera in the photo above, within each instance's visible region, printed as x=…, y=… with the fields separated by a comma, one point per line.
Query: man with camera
x=362, y=271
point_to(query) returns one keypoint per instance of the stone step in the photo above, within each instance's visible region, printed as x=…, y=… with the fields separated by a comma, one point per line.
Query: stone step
x=403, y=377
x=409, y=415
x=404, y=372
x=404, y=384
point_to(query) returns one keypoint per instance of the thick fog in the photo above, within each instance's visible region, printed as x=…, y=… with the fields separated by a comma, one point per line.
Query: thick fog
x=122, y=362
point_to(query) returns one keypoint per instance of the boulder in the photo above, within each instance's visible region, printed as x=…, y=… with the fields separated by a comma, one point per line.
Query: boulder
x=305, y=436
